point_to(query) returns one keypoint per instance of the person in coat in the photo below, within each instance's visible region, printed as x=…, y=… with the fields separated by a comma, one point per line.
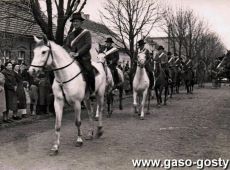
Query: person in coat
x=162, y=58
x=44, y=89
x=10, y=92
x=112, y=60
x=21, y=97
x=2, y=94
x=141, y=48
x=78, y=44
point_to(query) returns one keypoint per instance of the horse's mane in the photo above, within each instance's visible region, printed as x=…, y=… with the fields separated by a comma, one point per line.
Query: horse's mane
x=59, y=49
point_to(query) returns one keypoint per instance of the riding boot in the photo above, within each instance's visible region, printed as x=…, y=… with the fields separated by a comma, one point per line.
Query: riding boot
x=151, y=80
x=91, y=83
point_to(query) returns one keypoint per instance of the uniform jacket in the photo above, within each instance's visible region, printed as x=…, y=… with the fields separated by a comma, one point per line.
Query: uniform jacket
x=162, y=58
x=113, y=58
x=81, y=46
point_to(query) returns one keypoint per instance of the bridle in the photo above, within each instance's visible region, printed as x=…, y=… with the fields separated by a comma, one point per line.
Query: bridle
x=61, y=83
x=50, y=53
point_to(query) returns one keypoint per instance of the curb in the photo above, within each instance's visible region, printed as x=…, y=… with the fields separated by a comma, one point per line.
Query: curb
x=37, y=118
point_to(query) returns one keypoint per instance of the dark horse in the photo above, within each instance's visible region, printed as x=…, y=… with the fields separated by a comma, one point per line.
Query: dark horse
x=161, y=83
x=188, y=76
x=176, y=79
x=110, y=86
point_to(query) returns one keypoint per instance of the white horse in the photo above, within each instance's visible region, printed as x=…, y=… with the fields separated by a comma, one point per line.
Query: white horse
x=141, y=84
x=68, y=86
x=110, y=81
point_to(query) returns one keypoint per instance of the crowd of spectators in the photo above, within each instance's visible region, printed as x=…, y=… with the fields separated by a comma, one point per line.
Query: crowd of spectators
x=21, y=95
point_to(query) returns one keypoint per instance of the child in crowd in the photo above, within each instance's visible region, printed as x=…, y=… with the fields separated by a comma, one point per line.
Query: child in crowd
x=34, y=96
x=28, y=100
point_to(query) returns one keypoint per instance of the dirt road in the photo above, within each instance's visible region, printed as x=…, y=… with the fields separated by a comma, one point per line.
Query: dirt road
x=193, y=127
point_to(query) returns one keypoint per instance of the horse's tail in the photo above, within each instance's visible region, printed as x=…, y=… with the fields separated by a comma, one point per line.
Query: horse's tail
x=121, y=75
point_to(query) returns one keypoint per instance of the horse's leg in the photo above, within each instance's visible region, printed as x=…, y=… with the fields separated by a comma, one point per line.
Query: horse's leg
x=135, y=101
x=108, y=96
x=171, y=87
x=58, y=106
x=120, y=97
x=90, y=114
x=77, y=110
x=160, y=94
x=166, y=95
x=142, y=105
x=149, y=98
x=100, y=103
x=157, y=96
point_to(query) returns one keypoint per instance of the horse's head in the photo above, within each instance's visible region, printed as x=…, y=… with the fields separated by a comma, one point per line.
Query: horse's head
x=141, y=59
x=42, y=56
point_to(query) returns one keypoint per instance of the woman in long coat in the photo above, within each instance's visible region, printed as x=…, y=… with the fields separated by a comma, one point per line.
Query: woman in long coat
x=2, y=94
x=10, y=91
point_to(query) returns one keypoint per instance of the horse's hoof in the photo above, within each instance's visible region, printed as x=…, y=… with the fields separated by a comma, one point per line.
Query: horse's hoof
x=96, y=118
x=141, y=117
x=139, y=114
x=147, y=113
x=89, y=136
x=121, y=108
x=99, y=132
x=53, y=152
x=78, y=144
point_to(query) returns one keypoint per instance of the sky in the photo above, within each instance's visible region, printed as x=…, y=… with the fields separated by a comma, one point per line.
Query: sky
x=215, y=12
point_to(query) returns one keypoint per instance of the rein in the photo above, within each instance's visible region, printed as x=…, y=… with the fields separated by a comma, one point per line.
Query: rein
x=61, y=83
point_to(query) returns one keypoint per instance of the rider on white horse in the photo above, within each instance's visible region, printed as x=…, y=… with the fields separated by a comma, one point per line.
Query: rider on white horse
x=142, y=49
x=78, y=44
x=112, y=59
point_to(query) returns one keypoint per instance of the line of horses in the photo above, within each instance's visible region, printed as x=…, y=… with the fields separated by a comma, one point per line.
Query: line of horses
x=70, y=87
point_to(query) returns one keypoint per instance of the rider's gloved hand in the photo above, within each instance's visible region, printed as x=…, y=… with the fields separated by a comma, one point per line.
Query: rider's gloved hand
x=73, y=54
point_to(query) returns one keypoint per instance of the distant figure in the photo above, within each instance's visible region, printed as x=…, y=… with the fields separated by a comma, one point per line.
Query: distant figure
x=2, y=94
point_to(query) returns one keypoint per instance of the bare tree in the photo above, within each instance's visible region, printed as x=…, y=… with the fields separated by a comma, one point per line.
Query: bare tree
x=57, y=12
x=130, y=19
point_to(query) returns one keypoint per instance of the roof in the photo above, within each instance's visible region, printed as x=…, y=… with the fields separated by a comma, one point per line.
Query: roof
x=18, y=20
x=97, y=27
x=93, y=26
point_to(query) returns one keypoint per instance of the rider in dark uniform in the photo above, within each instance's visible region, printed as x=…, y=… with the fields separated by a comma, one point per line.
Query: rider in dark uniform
x=141, y=48
x=78, y=44
x=163, y=59
x=112, y=60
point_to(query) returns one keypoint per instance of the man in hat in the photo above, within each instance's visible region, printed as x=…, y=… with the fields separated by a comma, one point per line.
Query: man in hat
x=78, y=44
x=141, y=48
x=162, y=58
x=112, y=60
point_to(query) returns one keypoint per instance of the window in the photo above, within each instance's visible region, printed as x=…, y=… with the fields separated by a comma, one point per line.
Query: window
x=7, y=54
x=21, y=55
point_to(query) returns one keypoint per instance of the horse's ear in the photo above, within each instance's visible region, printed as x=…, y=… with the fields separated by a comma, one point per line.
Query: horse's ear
x=36, y=39
x=45, y=39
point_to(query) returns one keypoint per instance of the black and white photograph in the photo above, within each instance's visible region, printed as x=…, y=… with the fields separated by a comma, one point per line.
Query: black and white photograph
x=114, y=84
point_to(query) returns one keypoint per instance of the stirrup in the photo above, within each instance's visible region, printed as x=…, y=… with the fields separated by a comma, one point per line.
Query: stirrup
x=170, y=80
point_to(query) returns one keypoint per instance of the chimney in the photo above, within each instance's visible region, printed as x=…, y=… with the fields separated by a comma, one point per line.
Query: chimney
x=86, y=16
